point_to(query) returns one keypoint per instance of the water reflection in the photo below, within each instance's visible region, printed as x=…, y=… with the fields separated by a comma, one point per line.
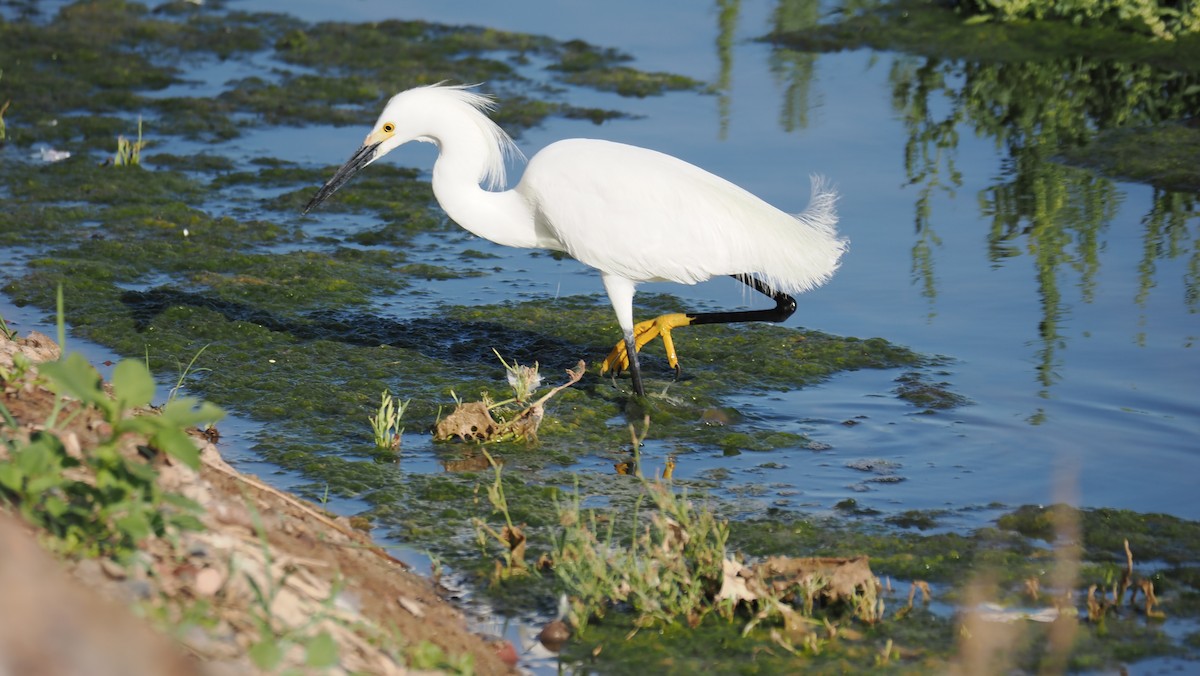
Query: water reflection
x=1052, y=213
x=794, y=70
x=727, y=19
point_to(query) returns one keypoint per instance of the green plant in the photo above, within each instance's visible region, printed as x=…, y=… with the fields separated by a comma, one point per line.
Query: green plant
x=674, y=566
x=129, y=153
x=386, y=422
x=671, y=568
x=428, y=656
x=184, y=372
x=108, y=501
x=4, y=330
x=510, y=537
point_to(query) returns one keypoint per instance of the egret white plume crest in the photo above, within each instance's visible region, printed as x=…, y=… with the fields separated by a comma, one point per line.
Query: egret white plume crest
x=634, y=214
x=494, y=174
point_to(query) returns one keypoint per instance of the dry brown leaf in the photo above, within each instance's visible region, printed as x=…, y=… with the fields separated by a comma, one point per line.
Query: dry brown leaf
x=469, y=422
x=844, y=577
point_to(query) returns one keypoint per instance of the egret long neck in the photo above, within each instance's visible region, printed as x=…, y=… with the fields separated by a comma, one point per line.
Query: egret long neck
x=505, y=218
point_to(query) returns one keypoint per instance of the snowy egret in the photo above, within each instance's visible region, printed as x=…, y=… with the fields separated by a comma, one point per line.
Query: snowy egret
x=636, y=215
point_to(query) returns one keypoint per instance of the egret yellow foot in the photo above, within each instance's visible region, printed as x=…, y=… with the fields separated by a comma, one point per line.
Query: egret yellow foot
x=644, y=332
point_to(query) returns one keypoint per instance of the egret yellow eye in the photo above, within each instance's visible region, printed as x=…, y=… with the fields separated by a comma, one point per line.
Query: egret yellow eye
x=389, y=127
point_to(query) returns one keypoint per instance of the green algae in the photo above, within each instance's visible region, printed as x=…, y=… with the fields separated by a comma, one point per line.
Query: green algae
x=915, y=388
x=935, y=29
x=584, y=64
x=1163, y=156
x=1159, y=537
x=105, y=57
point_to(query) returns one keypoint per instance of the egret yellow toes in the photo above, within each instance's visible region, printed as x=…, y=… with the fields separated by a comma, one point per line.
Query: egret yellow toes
x=644, y=332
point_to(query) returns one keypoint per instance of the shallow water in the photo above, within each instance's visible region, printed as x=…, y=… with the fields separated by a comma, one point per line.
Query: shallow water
x=1100, y=409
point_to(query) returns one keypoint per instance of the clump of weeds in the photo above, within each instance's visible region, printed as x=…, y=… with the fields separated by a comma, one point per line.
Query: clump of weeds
x=675, y=566
x=129, y=153
x=519, y=418
x=386, y=422
x=511, y=537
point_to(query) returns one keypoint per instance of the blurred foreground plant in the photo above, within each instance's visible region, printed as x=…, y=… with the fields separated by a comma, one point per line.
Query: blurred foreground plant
x=105, y=500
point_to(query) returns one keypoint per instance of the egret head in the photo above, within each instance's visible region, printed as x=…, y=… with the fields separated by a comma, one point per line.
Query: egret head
x=385, y=137
x=415, y=115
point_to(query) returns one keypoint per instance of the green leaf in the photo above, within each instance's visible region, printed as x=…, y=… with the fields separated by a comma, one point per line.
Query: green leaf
x=186, y=522
x=11, y=477
x=40, y=484
x=74, y=376
x=55, y=507
x=182, y=502
x=266, y=654
x=322, y=651
x=135, y=525
x=191, y=412
x=132, y=384
x=41, y=456
x=177, y=444
x=7, y=417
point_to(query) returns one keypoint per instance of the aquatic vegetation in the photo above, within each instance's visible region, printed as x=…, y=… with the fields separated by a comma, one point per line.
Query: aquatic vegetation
x=129, y=153
x=386, y=422
x=673, y=567
x=1161, y=155
x=669, y=571
x=473, y=421
x=915, y=388
x=510, y=537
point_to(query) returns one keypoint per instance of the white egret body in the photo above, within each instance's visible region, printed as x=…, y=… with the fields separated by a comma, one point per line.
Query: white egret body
x=634, y=214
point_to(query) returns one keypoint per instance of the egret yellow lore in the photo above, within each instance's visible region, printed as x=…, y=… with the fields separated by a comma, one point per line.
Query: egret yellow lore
x=634, y=214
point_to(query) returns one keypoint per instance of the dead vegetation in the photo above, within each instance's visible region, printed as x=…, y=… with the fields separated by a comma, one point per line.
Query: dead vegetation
x=473, y=421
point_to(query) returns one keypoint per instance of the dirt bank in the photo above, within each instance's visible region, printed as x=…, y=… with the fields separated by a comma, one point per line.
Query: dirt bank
x=268, y=580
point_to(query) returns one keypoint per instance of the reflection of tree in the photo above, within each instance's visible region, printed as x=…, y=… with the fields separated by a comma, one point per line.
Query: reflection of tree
x=1166, y=234
x=794, y=70
x=1033, y=110
x=727, y=16
x=1059, y=211
x=928, y=154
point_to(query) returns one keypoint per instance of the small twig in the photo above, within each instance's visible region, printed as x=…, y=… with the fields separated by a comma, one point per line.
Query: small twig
x=574, y=376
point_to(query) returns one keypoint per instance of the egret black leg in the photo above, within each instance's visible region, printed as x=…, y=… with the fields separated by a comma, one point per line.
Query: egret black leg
x=785, y=306
x=624, y=355
x=635, y=371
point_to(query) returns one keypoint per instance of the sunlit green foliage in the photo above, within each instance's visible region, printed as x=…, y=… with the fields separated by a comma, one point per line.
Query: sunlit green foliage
x=1162, y=18
x=668, y=572
x=106, y=502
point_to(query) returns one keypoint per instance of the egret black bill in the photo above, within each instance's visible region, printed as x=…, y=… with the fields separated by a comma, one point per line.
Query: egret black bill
x=364, y=156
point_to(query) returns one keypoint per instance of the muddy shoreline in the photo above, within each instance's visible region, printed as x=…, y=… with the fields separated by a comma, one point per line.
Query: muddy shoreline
x=325, y=577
